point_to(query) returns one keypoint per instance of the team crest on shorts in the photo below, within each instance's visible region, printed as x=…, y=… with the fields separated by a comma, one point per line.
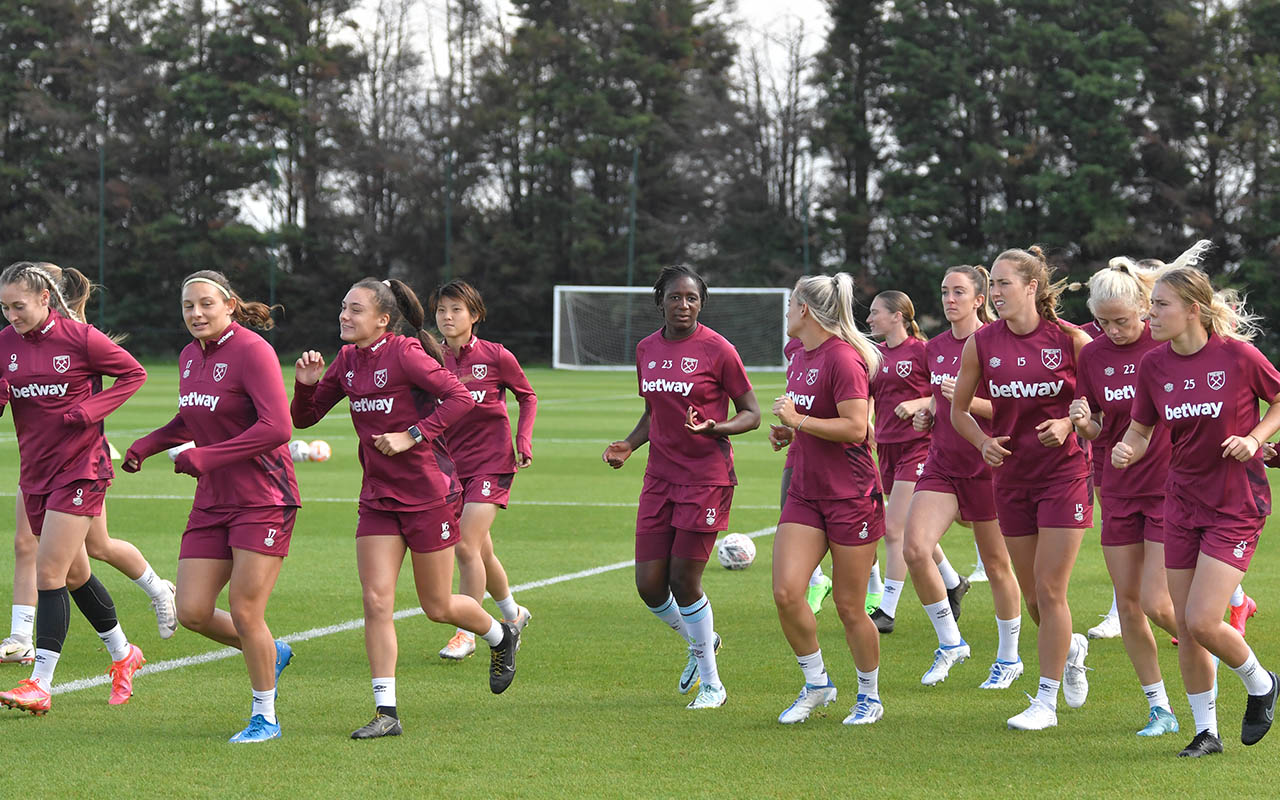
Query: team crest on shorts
x=1240, y=548
x=1051, y=357
x=380, y=378
x=78, y=500
x=904, y=369
x=219, y=372
x=270, y=541
x=1079, y=512
x=445, y=533
x=1217, y=379
x=864, y=533
x=486, y=489
x=13, y=362
x=811, y=377
x=479, y=371
x=61, y=363
x=688, y=365
x=711, y=516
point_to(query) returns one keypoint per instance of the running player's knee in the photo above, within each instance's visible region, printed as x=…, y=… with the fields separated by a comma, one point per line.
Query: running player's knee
x=467, y=552
x=378, y=604
x=96, y=549
x=437, y=610
x=850, y=612
x=785, y=596
x=1202, y=624
x=916, y=554
x=193, y=616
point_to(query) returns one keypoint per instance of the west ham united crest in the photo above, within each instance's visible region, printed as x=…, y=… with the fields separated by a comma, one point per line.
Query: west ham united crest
x=1217, y=379
x=380, y=378
x=61, y=363
x=479, y=371
x=1051, y=357
x=904, y=369
x=811, y=377
x=688, y=365
x=219, y=372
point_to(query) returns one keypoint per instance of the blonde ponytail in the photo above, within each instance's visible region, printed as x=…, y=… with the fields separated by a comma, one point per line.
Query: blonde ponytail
x=830, y=300
x=1221, y=312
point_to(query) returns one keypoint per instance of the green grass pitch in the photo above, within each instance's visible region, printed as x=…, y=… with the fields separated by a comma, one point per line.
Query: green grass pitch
x=594, y=710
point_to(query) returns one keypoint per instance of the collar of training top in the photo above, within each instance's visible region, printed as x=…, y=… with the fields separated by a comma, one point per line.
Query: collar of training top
x=42, y=332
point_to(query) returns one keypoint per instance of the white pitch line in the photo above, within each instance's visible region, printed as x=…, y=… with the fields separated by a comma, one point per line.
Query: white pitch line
x=342, y=627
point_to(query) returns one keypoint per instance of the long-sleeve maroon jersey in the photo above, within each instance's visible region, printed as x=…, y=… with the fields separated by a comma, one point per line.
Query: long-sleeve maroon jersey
x=55, y=388
x=232, y=403
x=481, y=443
x=392, y=384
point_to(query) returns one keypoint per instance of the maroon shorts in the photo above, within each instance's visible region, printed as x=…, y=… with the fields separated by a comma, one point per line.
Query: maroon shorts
x=495, y=489
x=667, y=506
x=901, y=461
x=847, y=521
x=975, y=497
x=1132, y=520
x=1231, y=540
x=423, y=530
x=213, y=534
x=79, y=498
x=1024, y=510
x=673, y=543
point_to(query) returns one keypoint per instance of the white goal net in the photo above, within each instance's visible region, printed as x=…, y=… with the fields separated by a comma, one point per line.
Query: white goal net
x=598, y=327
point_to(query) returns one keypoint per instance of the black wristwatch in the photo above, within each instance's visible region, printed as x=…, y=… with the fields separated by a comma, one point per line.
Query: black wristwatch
x=416, y=434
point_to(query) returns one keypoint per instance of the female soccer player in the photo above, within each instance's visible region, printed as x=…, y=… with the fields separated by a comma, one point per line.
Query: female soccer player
x=480, y=446
x=899, y=389
x=53, y=378
x=688, y=373
x=232, y=403
x=956, y=483
x=1204, y=385
x=1027, y=361
x=18, y=646
x=1132, y=503
x=402, y=400
x=834, y=500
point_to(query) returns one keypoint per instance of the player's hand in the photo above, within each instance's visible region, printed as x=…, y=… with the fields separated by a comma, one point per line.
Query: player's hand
x=617, y=453
x=523, y=461
x=923, y=420
x=698, y=426
x=1269, y=452
x=993, y=451
x=75, y=418
x=4, y=393
x=132, y=461
x=780, y=436
x=907, y=408
x=1054, y=432
x=949, y=389
x=187, y=463
x=309, y=369
x=1121, y=455
x=393, y=444
x=1080, y=413
x=1241, y=448
x=784, y=408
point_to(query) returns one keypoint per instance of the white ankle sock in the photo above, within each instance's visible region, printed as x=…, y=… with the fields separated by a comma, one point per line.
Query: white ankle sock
x=943, y=623
x=1204, y=710
x=22, y=623
x=264, y=703
x=874, y=584
x=869, y=683
x=42, y=670
x=816, y=577
x=1048, y=692
x=1256, y=679
x=1009, y=629
x=892, y=594
x=949, y=576
x=1237, y=597
x=815, y=672
x=117, y=643
x=1156, y=696
x=151, y=583
x=494, y=635
x=384, y=692
x=700, y=623
x=508, y=608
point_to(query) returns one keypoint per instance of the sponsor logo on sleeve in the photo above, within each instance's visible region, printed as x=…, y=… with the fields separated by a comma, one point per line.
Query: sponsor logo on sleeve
x=1216, y=379
x=380, y=378
x=479, y=371
x=1051, y=357
x=219, y=372
x=61, y=363
x=688, y=365
x=904, y=369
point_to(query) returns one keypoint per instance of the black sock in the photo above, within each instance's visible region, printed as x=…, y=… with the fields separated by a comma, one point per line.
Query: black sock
x=53, y=617
x=94, y=601
x=387, y=711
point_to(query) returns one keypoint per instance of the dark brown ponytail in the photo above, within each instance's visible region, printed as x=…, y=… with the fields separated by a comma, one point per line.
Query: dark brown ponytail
x=246, y=312
x=399, y=302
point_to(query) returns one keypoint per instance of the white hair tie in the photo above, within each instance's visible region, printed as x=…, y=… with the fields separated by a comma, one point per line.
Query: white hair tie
x=387, y=283
x=209, y=281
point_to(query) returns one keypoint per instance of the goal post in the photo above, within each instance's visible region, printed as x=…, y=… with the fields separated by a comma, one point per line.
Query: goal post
x=598, y=327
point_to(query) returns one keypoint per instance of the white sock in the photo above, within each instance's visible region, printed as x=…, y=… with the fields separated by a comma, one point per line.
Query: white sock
x=264, y=703
x=1156, y=696
x=1204, y=709
x=700, y=623
x=874, y=584
x=494, y=636
x=1048, y=692
x=42, y=670
x=815, y=672
x=949, y=576
x=509, y=608
x=384, y=692
x=1256, y=679
x=816, y=577
x=892, y=594
x=117, y=643
x=22, y=623
x=151, y=583
x=669, y=613
x=943, y=623
x=1237, y=597
x=1009, y=629
x=1114, y=612
x=869, y=683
